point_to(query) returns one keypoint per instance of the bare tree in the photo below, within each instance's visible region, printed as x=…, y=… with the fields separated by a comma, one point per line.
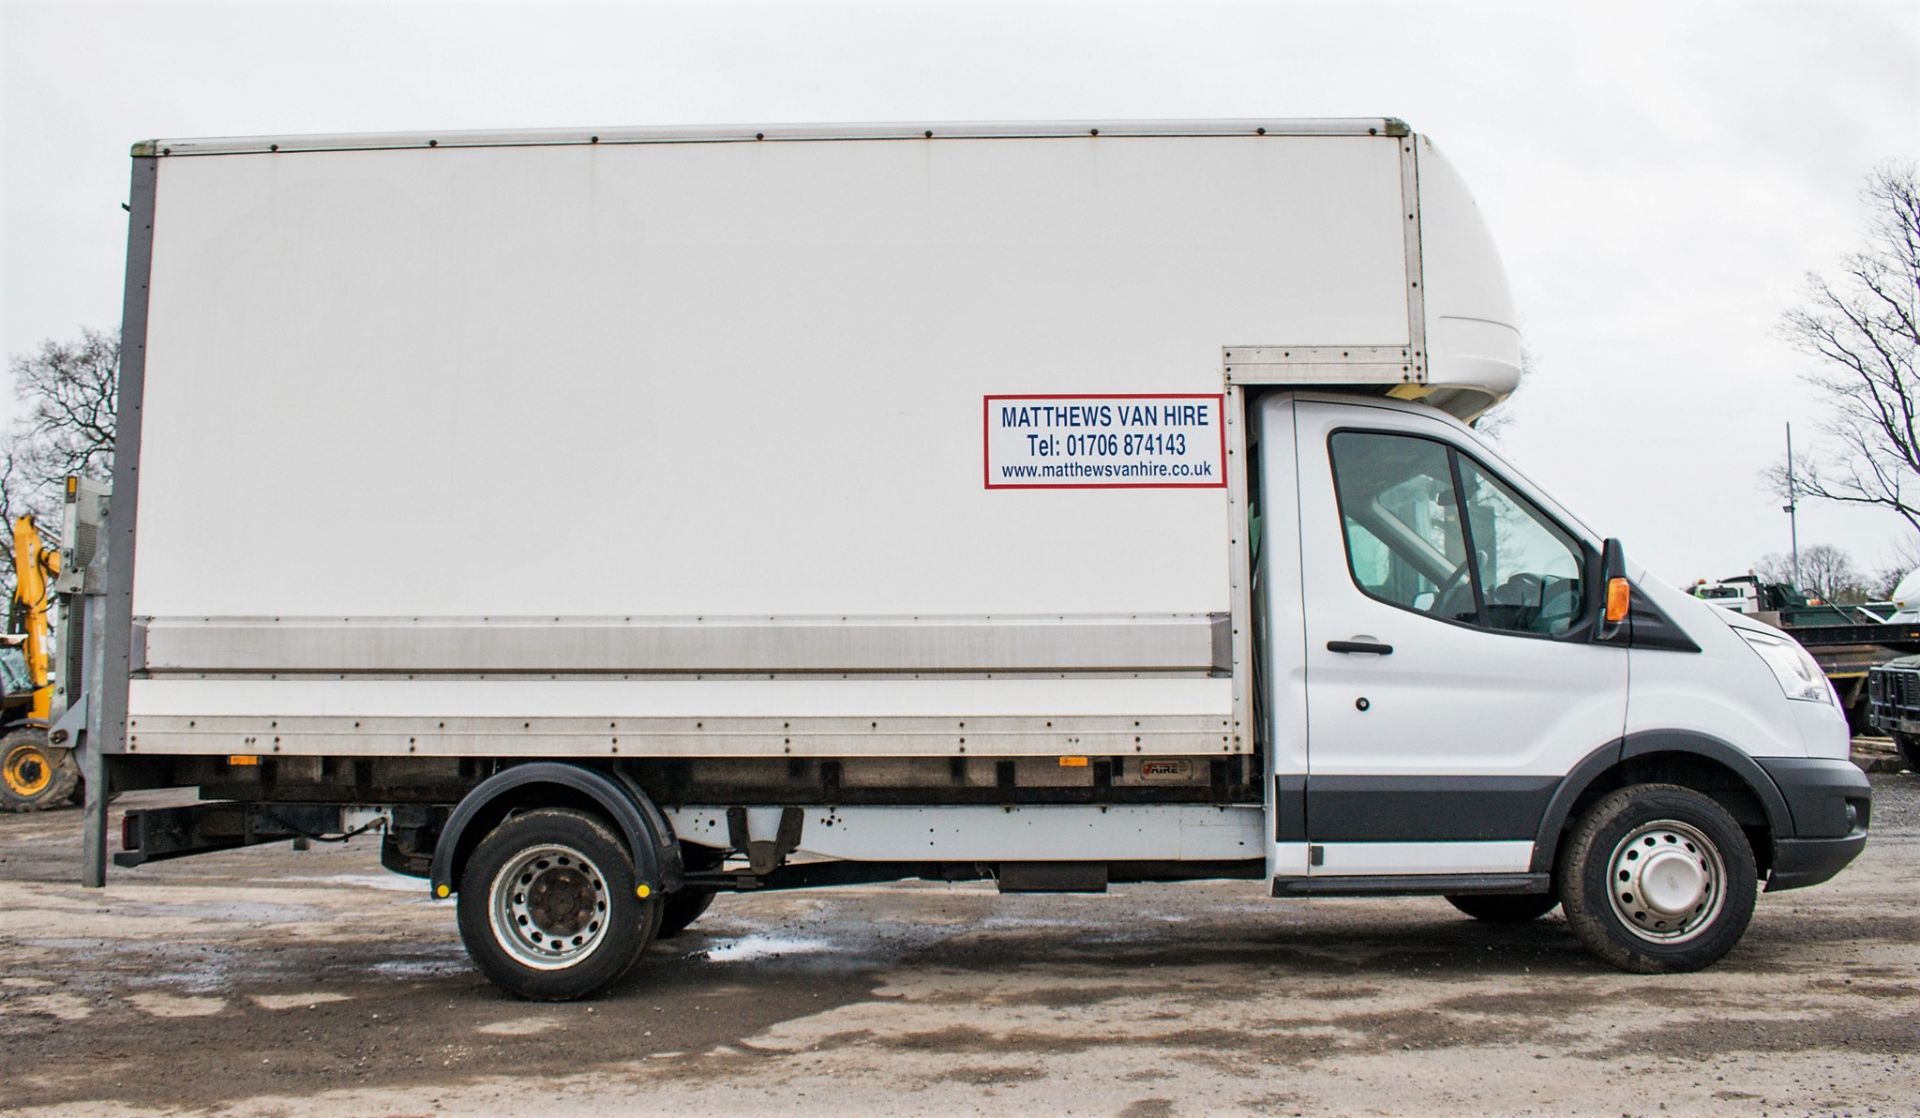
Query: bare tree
x=1826, y=572
x=69, y=396
x=1774, y=567
x=1902, y=561
x=1864, y=330
x=1829, y=573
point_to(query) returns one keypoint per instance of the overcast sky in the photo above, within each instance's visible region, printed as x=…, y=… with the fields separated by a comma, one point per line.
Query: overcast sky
x=1660, y=177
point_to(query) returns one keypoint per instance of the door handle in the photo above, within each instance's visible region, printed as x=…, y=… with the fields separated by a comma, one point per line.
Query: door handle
x=1360, y=646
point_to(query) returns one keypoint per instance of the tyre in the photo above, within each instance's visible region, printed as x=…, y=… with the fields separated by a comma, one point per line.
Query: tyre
x=548, y=909
x=1514, y=908
x=680, y=910
x=1657, y=878
x=1909, y=747
x=33, y=775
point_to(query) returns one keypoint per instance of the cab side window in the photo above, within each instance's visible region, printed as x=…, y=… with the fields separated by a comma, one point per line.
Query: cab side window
x=1529, y=568
x=1428, y=530
x=1405, y=541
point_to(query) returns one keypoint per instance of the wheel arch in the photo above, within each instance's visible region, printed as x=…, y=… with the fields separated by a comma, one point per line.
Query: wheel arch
x=1693, y=760
x=538, y=784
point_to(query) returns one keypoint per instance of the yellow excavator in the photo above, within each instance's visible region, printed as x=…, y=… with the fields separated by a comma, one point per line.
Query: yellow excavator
x=33, y=774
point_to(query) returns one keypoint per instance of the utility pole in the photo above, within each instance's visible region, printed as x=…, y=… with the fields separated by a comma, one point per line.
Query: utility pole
x=1792, y=509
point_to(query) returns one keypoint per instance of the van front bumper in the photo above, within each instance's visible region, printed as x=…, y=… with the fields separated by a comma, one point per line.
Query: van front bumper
x=1831, y=803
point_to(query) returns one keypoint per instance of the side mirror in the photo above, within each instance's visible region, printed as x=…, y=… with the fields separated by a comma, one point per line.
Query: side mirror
x=1616, y=597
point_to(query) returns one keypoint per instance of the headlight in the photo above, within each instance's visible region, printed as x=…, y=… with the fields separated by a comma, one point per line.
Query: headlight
x=1799, y=674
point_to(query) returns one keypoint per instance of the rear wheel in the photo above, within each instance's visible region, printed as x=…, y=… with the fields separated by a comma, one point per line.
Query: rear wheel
x=1515, y=908
x=33, y=775
x=1658, y=878
x=548, y=907
x=680, y=910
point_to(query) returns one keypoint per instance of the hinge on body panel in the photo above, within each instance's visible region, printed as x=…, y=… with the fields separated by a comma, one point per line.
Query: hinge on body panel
x=1324, y=365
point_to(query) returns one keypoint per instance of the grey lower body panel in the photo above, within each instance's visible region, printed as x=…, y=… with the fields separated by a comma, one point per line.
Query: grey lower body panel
x=1436, y=884
x=1423, y=808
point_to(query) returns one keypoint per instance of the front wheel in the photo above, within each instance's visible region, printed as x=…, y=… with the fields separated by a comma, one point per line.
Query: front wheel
x=33, y=775
x=1514, y=908
x=548, y=906
x=1909, y=747
x=1658, y=878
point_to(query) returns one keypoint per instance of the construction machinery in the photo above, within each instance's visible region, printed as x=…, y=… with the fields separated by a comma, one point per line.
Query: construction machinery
x=37, y=773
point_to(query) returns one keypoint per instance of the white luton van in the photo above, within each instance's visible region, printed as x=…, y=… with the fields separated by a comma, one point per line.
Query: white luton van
x=608, y=520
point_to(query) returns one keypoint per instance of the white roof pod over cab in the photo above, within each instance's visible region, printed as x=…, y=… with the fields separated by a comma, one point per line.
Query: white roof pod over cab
x=1473, y=338
x=1461, y=348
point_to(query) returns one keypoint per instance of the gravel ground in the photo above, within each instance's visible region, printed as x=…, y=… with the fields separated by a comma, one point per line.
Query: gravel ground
x=269, y=982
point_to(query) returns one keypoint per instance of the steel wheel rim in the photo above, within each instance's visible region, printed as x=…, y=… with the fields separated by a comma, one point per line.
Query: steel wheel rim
x=1667, y=881
x=28, y=771
x=549, y=907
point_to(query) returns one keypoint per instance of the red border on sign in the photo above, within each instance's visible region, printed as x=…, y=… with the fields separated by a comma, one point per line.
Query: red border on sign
x=986, y=438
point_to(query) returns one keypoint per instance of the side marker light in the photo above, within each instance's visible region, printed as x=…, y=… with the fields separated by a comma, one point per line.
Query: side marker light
x=1619, y=600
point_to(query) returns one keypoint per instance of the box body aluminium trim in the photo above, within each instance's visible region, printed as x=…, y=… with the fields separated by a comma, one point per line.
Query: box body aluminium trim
x=756, y=133
x=553, y=647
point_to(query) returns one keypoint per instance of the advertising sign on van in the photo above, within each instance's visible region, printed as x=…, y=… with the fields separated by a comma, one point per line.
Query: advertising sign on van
x=1131, y=441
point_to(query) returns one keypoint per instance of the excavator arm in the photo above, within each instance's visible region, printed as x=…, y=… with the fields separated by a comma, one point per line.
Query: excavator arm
x=35, y=566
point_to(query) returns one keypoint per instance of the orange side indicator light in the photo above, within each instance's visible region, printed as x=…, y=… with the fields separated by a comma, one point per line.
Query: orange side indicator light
x=1619, y=600
x=242, y=759
x=1073, y=762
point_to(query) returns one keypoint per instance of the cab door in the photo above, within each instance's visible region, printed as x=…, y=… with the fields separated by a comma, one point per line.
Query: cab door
x=1451, y=676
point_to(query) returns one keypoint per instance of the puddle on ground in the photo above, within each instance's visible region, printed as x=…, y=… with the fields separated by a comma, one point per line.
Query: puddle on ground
x=764, y=947
x=421, y=968
x=390, y=882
